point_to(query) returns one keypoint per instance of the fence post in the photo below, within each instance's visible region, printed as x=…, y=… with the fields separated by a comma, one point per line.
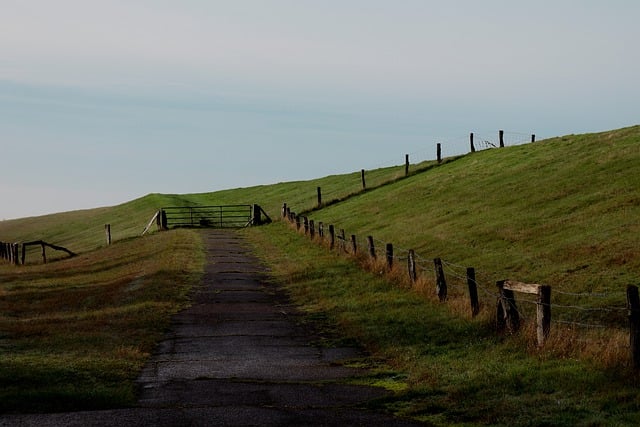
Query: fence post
x=16, y=252
x=163, y=220
x=319, y=197
x=343, y=240
x=312, y=229
x=372, y=248
x=24, y=253
x=354, y=245
x=107, y=231
x=439, y=152
x=389, y=254
x=633, y=304
x=297, y=222
x=441, y=283
x=284, y=210
x=364, y=183
x=533, y=137
x=44, y=253
x=411, y=265
x=306, y=224
x=473, y=291
x=501, y=137
x=543, y=314
x=406, y=165
x=507, y=311
x=321, y=229
x=473, y=147
x=332, y=236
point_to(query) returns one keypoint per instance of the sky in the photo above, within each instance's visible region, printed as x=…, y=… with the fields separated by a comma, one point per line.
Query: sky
x=102, y=102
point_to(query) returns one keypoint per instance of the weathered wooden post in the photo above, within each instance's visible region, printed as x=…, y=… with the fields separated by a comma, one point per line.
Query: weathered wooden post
x=473, y=291
x=507, y=312
x=439, y=152
x=163, y=220
x=501, y=137
x=354, y=245
x=298, y=219
x=24, y=254
x=543, y=314
x=44, y=253
x=473, y=147
x=406, y=165
x=305, y=220
x=364, y=183
x=332, y=236
x=107, y=232
x=441, y=282
x=411, y=265
x=284, y=210
x=321, y=229
x=389, y=255
x=319, y=197
x=16, y=251
x=533, y=137
x=633, y=304
x=312, y=229
x=343, y=240
x=371, y=247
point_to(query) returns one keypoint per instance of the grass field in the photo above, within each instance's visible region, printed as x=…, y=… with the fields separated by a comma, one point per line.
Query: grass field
x=74, y=333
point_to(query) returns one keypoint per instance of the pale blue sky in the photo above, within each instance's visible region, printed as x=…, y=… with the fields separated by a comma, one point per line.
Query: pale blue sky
x=105, y=101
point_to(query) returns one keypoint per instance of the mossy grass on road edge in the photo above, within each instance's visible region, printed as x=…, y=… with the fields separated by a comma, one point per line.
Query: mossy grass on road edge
x=74, y=334
x=447, y=370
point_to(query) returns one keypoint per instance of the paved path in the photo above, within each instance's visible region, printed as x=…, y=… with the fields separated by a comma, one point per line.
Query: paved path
x=239, y=356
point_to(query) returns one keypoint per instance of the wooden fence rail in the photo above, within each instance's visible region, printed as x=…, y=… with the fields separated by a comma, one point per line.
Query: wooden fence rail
x=16, y=253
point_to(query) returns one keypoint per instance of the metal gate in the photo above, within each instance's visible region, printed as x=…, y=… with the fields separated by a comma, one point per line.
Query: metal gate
x=227, y=216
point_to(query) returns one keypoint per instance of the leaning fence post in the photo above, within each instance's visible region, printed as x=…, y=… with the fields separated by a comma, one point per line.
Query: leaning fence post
x=633, y=304
x=473, y=147
x=543, y=314
x=441, y=283
x=411, y=265
x=473, y=291
x=372, y=248
x=507, y=311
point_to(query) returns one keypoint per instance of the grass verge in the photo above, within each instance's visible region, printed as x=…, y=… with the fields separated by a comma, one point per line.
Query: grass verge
x=74, y=334
x=446, y=370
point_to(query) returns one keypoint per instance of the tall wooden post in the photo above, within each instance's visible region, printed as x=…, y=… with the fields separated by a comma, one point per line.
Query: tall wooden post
x=332, y=236
x=633, y=304
x=354, y=244
x=312, y=229
x=364, y=183
x=321, y=229
x=411, y=265
x=533, y=138
x=439, y=152
x=319, y=197
x=284, y=210
x=343, y=240
x=298, y=219
x=305, y=220
x=406, y=165
x=473, y=291
x=16, y=251
x=441, y=283
x=44, y=253
x=507, y=311
x=389, y=255
x=543, y=314
x=501, y=137
x=107, y=232
x=473, y=147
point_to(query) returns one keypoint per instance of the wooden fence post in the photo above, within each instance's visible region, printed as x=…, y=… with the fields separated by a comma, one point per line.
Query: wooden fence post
x=16, y=252
x=389, y=254
x=543, y=325
x=441, y=283
x=411, y=265
x=163, y=220
x=343, y=240
x=24, y=254
x=319, y=197
x=364, y=183
x=633, y=304
x=473, y=147
x=298, y=219
x=354, y=245
x=284, y=210
x=507, y=311
x=501, y=137
x=44, y=253
x=332, y=236
x=439, y=152
x=305, y=220
x=473, y=291
x=406, y=165
x=312, y=229
x=321, y=229
x=371, y=247
x=533, y=137
x=107, y=231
